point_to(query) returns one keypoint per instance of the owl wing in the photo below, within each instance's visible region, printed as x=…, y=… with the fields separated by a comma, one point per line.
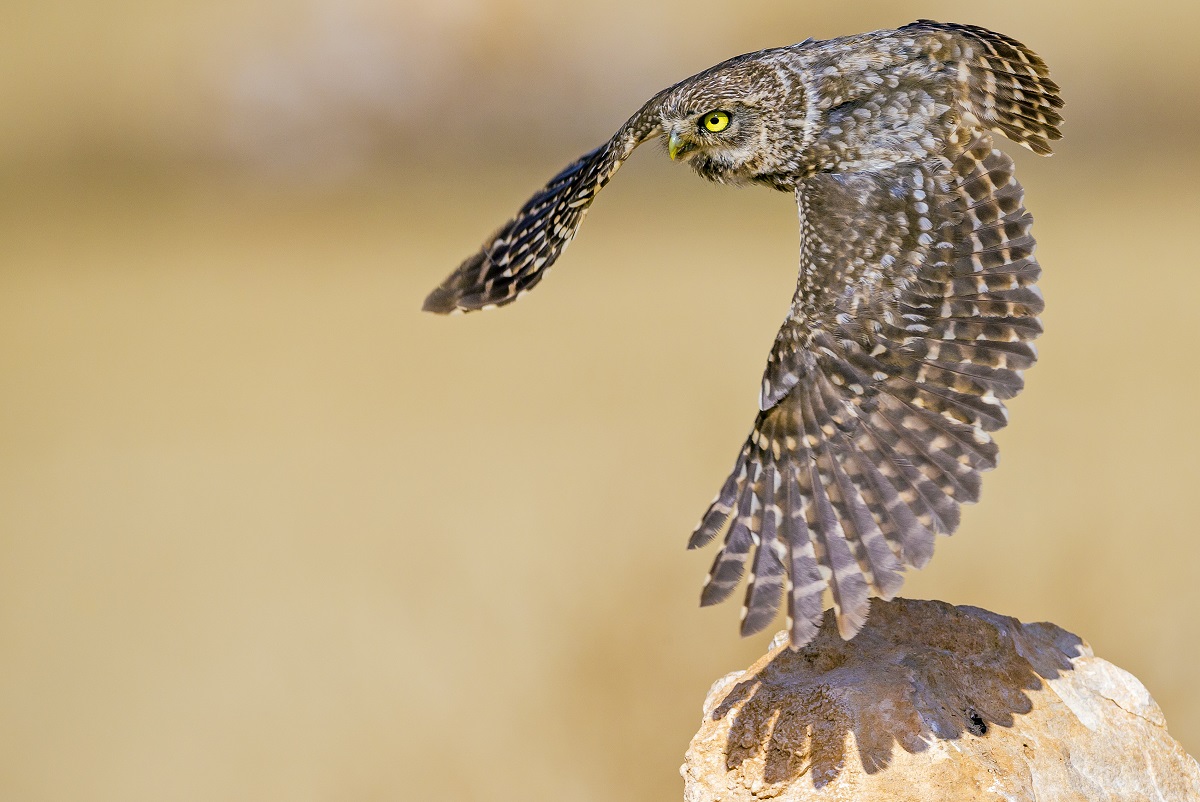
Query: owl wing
x=520, y=254
x=910, y=327
x=1001, y=83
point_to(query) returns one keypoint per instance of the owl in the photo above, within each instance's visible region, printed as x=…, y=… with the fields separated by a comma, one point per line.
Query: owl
x=914, y=310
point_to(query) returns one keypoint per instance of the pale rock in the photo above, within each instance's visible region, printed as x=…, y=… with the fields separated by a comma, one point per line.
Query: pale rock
x=934, y=702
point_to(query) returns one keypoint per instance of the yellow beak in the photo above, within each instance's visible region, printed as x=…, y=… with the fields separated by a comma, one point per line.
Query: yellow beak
x=675, y=144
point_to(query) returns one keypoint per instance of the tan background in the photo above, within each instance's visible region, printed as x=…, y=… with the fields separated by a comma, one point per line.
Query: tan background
x=267, y=532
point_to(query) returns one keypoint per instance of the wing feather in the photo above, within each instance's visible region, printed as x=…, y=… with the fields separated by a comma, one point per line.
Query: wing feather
x=804, y=583
x=519, y=255
x=884, y=385
x=1005, y=85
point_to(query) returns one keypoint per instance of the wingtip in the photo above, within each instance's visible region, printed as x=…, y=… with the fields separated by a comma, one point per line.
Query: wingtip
x=711, y=594
x=440, y=302
x=850, y=623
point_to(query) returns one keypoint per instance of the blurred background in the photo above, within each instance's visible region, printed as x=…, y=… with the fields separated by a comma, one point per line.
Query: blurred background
x=268, y=532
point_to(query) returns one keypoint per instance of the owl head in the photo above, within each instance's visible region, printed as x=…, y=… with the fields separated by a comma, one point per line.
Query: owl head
x=726, y=123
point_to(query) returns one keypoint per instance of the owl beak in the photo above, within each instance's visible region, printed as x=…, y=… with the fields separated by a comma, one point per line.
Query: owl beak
x=676, y=146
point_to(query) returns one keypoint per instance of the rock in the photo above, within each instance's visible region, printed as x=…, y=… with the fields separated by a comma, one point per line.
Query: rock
x=935, y=702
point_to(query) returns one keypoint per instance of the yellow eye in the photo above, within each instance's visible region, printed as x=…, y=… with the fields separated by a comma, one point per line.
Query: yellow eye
x=715, y=121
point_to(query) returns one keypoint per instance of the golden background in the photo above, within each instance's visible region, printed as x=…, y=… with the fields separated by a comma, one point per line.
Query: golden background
x=268, y=532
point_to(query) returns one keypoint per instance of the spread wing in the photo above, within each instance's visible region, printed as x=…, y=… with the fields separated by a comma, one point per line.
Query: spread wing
x=520, y=254
x=910, y=327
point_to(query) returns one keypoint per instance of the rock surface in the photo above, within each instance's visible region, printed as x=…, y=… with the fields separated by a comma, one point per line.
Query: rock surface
x=935, y=702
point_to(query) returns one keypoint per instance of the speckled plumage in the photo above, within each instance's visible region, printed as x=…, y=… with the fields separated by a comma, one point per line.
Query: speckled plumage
x=914, y=309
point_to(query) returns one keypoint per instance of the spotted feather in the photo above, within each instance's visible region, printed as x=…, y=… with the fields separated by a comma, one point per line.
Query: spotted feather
x=882, y=391
x=519, y=255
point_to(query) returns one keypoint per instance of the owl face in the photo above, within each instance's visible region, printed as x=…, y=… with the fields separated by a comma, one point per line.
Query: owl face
x=722, y=139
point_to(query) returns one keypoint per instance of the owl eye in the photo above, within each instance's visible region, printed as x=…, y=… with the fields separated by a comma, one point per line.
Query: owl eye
x=715, y=121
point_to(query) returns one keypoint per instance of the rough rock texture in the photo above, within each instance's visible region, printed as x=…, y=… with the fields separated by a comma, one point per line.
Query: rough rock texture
x=935, y=702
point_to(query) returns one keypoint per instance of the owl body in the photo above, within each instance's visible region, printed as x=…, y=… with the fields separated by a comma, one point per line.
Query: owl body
x=915, y=304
